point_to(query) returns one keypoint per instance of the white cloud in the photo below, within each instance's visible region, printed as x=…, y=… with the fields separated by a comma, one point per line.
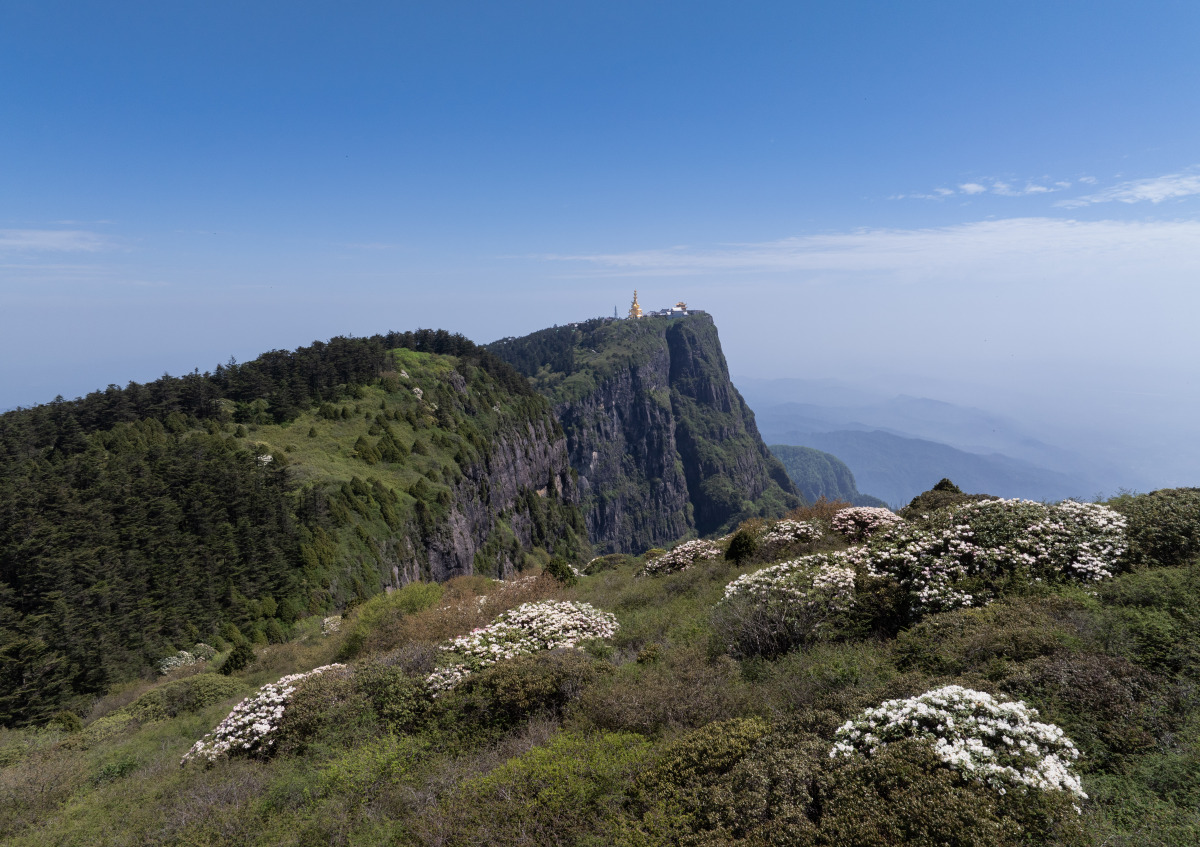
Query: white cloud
x=972, y=188
x=51, y=241
x=1154, y=190
x=1028, y=247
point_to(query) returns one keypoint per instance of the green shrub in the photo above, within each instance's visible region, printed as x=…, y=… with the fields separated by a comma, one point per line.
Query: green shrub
x=607, y=563
x=742, y=546
x=756, y=790
x=906, y=795
x=67, y=721
x=1164, y=526
x=568, y=791
x=1152, y=618
x=400, y=700
x=240, y=657
x=513, y=691
x=682, y=690
x=1109, y=707
x=184, y=695
x=945, y=493
x=693, y=762
x=326, y=711
x=561, y=570
x=984, y=640
x=384, y=611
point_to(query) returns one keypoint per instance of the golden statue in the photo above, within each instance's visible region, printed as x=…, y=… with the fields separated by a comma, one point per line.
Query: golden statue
x=635, y=311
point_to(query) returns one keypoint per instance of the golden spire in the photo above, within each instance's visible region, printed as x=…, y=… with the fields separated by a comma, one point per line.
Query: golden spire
x=635, y=310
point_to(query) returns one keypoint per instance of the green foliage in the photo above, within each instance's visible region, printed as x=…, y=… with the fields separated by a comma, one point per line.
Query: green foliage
x=742, y=546
x=182, y=696
x=240, y=658
x=560, y=569
x=1164, y=526
x=987, y=640
x=568, y=791
x=820, y=475
x=510, y=693
x=945, y=493
x=384, y=611
x=907, y=795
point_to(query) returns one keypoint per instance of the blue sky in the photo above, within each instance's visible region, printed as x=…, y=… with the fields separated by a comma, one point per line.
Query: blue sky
x=990, y=203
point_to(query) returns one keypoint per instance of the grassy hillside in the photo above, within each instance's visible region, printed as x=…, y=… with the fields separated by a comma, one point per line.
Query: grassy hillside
x=713, y=715
x=228, y=507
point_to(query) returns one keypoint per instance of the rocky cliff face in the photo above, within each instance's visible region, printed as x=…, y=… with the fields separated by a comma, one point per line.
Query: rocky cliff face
x=663, y=444
x=524, y=485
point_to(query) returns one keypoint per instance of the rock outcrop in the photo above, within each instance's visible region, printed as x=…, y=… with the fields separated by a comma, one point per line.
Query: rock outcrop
x=662, y=442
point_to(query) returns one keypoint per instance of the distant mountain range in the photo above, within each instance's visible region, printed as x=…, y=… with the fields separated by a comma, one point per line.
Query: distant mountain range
x=899, y=446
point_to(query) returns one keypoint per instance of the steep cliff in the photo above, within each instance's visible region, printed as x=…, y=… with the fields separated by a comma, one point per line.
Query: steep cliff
x=663, y=444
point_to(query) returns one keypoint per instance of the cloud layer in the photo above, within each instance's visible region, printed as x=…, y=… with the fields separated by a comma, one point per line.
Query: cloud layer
x=1014, y=246
x=1155, y=190
x=51, y=241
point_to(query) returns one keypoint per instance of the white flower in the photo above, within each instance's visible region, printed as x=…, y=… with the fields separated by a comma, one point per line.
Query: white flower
x=996, y=743
x=249, y=726
x=682, y=557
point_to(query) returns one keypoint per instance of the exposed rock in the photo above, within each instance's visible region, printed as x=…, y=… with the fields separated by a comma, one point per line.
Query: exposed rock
x=663, y=444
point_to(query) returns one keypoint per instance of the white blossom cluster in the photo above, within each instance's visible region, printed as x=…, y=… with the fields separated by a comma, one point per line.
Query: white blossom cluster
x=859, y=523
x=820, y=581
x=967, y=551
x=994, y=742
x=200, y=653
x=682, y=557
x=791, y=532
x=248, y=728
x=549, y=625
x=331, y=624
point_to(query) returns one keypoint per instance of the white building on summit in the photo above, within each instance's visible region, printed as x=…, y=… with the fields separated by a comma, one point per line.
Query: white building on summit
x=680, y=309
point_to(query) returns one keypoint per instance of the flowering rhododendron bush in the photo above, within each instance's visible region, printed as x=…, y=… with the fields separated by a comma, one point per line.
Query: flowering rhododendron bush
x=998, y=743
x=769, y=611
x=531, y=627
x=791, y=532
x=861, y=522
x=248, y=728
x=200, y=653
x=682, y=557
x=965, y=555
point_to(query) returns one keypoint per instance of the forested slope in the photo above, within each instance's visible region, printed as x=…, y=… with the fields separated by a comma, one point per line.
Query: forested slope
x=819, y=474
x=226, y=506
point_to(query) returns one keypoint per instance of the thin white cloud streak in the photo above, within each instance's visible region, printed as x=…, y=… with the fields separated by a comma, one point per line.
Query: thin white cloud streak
x=51, y=241
x=1154, y=190
x=1022, y=246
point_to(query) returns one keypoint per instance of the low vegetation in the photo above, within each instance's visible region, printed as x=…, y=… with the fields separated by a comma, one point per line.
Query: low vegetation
x=803, y=691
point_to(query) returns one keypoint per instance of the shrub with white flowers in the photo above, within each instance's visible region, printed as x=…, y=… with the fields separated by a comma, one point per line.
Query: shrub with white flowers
x=331, y=624
x=773, y=610
x=791, y=532
x=200, y=653
x=966, y=553
x=549, y=625
x=998, y=743
x=858, y=523
x=682, y=557
x=823, y=579
x=248, y=728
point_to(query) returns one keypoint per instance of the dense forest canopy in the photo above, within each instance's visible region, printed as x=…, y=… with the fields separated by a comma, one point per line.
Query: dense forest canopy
x=225, y=506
